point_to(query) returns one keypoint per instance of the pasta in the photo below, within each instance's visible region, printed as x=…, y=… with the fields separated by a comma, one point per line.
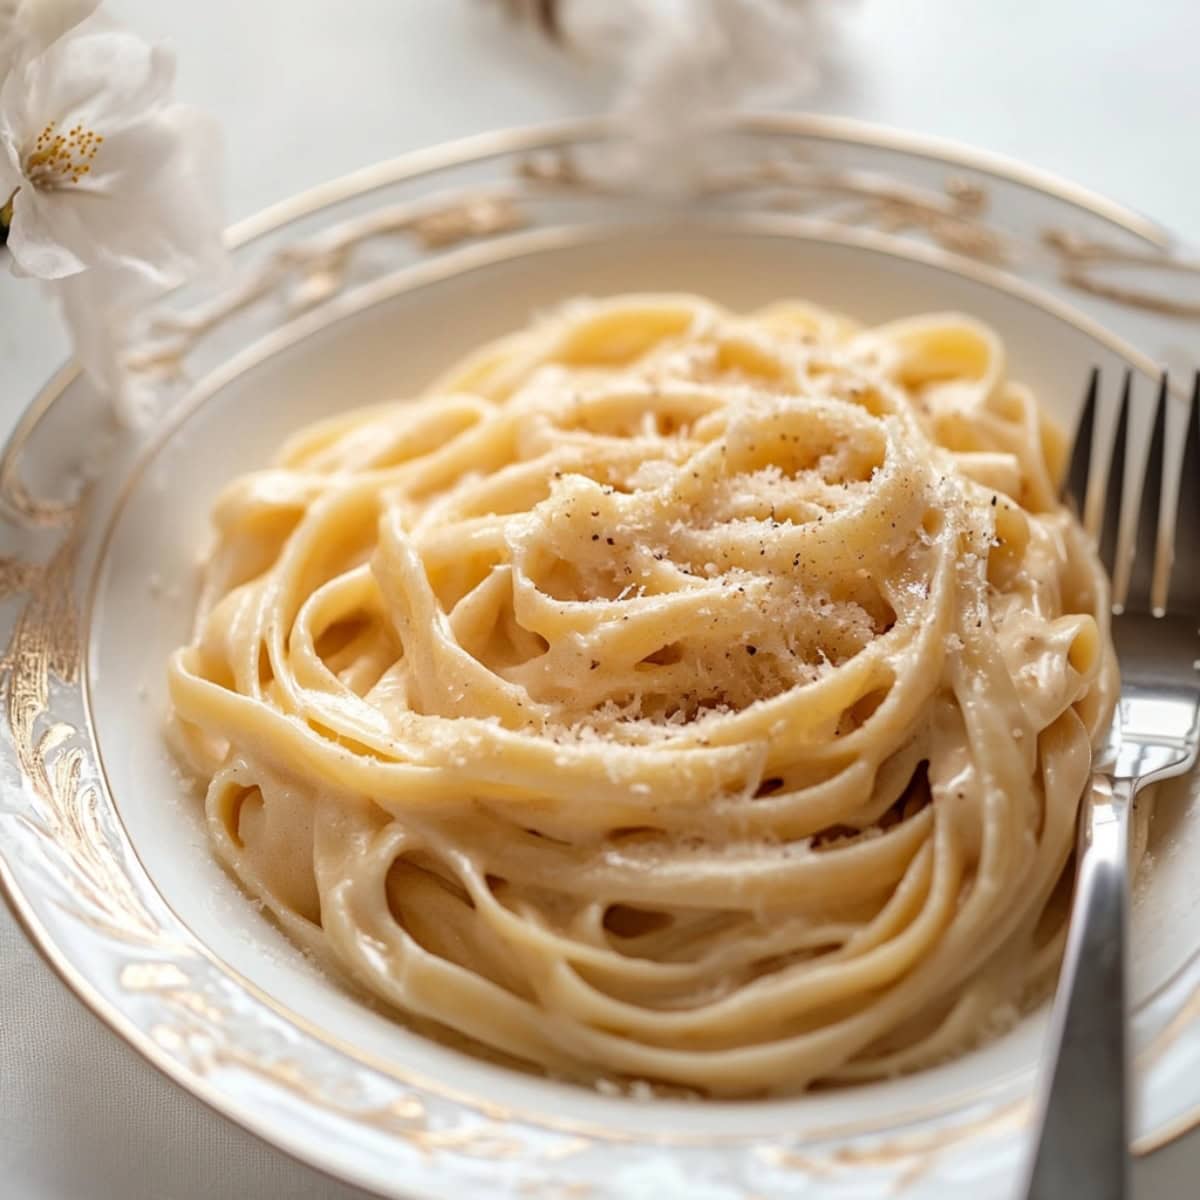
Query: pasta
x=666, y=695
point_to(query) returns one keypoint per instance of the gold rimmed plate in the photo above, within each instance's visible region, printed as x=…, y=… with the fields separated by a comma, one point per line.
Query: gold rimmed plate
x=359, y=292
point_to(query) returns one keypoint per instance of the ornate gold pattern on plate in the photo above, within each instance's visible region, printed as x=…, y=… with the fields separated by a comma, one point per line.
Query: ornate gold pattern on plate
x=188, y=1012
x=954, y=217
x=44, y=647
x=913, y=1153
x=1095, y=266
x=304, y=275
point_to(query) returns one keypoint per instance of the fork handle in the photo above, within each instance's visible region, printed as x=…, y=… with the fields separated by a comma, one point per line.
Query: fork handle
x=1083, y=1127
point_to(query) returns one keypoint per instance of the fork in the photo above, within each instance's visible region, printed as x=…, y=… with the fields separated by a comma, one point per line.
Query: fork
x=1083, y=1103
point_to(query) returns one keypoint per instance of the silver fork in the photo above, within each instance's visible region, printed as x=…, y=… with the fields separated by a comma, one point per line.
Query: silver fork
x=1083, y=1138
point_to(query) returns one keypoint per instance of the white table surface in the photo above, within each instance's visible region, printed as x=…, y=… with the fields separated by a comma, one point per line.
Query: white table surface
x=1102, y=91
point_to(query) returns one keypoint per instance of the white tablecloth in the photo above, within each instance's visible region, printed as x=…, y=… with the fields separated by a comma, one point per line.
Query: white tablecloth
x=1102, y=91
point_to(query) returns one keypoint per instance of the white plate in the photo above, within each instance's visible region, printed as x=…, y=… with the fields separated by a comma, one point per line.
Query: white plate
x=362, y=292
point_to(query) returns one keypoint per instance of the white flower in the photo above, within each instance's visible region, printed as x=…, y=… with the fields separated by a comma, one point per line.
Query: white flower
x=28, y=26
x=109, y=190
x=100, y=169
x=100, y=304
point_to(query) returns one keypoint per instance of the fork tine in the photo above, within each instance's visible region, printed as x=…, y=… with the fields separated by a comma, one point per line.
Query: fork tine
x=1076, y=483
x=1145, y=542
x=1114, y=485
x=1184, y=595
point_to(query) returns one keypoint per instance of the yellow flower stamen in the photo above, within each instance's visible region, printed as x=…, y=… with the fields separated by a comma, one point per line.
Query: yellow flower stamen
x=59, y=159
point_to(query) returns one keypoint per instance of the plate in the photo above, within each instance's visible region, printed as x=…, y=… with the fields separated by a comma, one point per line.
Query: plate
x=361, y=291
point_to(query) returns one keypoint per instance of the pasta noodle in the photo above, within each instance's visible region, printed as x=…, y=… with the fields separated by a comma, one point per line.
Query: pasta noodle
x=667, y=694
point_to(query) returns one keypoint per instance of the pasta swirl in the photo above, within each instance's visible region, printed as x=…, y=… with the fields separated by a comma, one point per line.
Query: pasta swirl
x=666, y=695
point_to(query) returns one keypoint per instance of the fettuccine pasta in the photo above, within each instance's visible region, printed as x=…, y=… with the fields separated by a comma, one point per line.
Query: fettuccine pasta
x=665, y=695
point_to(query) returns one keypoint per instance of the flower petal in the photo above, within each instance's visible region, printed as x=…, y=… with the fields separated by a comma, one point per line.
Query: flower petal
x=102, y=81
x=35, y=239
x=153, y=202
x=10, y=34
x=10, y=167
x=45, y=21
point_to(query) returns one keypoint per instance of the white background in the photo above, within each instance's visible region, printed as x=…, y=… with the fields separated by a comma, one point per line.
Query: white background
x=1106, y=92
